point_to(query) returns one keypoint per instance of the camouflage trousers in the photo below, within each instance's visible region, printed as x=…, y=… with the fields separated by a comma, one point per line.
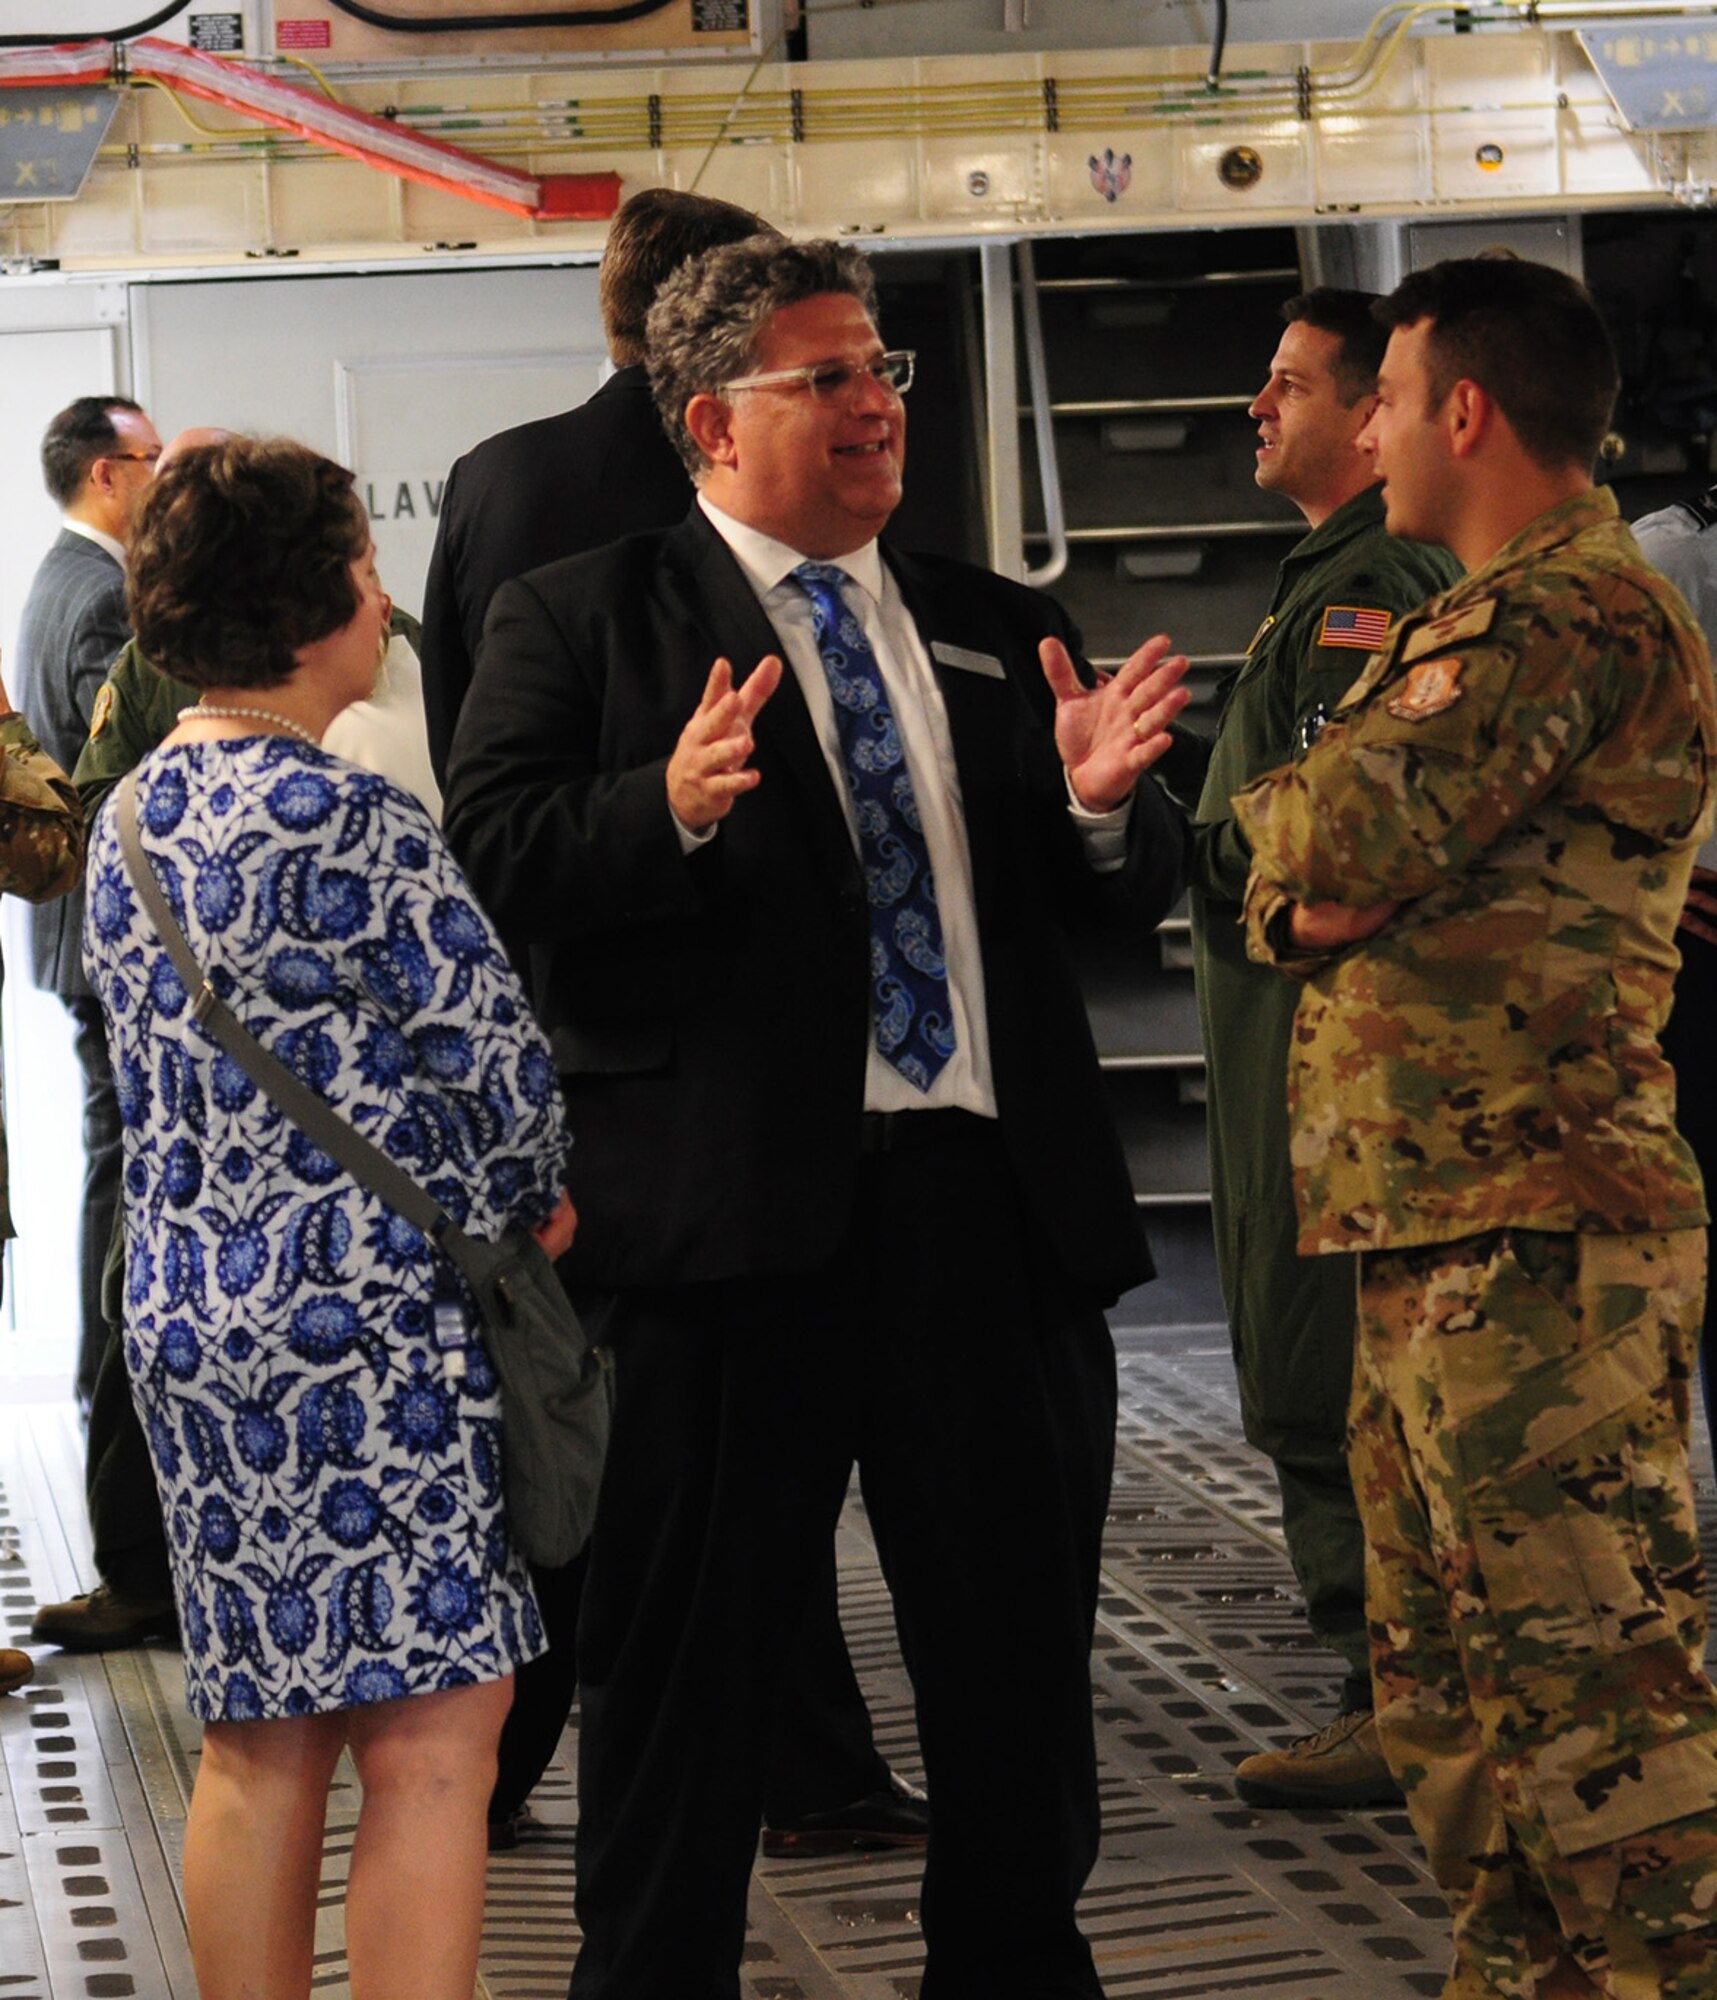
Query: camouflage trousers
x=1536, y=1601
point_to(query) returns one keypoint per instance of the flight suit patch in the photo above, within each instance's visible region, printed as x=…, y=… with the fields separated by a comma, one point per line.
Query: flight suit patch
x=1356, y=625
x=1429, y=689
x=102, y=711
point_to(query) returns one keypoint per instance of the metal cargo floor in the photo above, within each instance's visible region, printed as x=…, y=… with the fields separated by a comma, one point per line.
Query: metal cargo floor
x=1201, y=1657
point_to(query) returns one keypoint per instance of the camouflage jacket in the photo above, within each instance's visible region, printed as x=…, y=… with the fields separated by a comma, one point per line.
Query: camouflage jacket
x=41, y=823
x=41, y=843
x=1527, y=768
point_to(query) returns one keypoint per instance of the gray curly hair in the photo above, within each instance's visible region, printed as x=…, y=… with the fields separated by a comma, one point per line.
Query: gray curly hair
x=703, y=329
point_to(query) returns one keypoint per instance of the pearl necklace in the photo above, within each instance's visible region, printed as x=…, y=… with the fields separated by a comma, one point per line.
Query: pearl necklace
x=237, y=714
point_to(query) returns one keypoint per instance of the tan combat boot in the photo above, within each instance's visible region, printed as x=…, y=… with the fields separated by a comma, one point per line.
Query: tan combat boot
x=1339, y=1765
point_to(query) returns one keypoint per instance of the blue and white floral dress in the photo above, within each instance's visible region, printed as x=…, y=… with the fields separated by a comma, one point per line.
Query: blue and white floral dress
x=331, y=1487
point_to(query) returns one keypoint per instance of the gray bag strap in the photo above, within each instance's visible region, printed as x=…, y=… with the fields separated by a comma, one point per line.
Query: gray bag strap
x=336, y=1137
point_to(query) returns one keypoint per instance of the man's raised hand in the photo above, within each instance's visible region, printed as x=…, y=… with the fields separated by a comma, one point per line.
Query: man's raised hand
x=1111, y=733
x=709, y=768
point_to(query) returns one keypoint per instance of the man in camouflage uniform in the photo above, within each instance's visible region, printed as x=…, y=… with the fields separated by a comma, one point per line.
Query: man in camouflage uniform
x=1477, y=870
x=1291, y=1317
x=41, y=856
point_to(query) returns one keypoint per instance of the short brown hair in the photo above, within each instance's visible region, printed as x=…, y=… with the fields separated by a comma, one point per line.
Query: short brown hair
x=1348, y=317
x=1530, y=336
x=709, y=317
x=649, y=239
x=243, y=554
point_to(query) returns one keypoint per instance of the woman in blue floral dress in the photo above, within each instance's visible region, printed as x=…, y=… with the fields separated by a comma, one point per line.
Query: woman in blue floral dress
x=323, y=1423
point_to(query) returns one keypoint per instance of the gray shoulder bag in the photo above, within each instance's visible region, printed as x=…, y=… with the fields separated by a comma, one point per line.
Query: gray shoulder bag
x=554, y=1383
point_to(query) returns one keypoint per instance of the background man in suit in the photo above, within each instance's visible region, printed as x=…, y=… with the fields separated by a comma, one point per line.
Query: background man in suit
x=523, y=498
x=843, y=1156
x=571, y=482
x=98, y=455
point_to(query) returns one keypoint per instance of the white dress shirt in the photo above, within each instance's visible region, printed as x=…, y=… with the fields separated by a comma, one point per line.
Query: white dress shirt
x=387, y=732
x=872, y=595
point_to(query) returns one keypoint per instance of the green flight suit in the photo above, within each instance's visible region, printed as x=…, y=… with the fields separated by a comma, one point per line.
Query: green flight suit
x=137, y=705
x=1290, y=1317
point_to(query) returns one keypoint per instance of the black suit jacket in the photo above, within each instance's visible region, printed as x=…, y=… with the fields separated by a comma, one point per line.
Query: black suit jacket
x=709, y=1014
x=73, y=627
x=529, y=496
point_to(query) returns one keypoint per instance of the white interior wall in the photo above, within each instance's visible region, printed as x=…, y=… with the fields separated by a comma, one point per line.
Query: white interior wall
x=394, y=374
x=56, y=343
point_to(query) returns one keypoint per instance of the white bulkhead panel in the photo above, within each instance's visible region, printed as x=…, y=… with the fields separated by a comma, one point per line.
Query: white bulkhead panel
x=393, y=374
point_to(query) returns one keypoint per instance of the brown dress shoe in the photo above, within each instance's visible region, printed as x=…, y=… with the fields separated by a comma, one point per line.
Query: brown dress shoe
x=16, y=1669
x=102, y=1621
x=1341, y=1764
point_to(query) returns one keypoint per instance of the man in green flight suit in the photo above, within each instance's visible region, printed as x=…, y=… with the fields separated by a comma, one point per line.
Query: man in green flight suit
x=1291, y=1317
x=1477, y=871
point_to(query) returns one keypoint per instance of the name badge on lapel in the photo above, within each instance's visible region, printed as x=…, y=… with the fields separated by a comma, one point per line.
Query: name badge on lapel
x=968, y=662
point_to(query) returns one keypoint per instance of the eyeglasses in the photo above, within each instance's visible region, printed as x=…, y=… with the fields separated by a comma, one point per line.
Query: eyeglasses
x=835, y=381
x=141, y=457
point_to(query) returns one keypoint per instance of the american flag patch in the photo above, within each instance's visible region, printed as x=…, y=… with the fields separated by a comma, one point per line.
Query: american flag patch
x=1348, y=625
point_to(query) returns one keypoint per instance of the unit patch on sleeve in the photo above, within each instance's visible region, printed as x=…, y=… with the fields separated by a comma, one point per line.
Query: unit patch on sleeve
x=1353, y=625
x=1430, y=687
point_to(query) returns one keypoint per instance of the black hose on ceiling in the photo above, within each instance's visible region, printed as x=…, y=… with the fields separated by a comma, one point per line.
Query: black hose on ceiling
x=52, y=38
x=554, y=17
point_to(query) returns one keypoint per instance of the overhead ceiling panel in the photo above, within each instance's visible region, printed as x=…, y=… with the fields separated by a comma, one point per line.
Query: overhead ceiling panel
x=388, y=32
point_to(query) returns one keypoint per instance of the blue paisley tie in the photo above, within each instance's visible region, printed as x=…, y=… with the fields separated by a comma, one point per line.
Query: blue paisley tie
x=908, y=974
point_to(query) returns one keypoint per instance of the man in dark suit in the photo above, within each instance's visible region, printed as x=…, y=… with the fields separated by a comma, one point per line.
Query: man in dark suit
x=98, y=455
x=570, y=482
x=523, y=498
x=843, y=1163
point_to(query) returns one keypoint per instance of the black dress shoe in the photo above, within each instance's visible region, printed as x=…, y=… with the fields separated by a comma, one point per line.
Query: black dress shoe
x=897, y=1817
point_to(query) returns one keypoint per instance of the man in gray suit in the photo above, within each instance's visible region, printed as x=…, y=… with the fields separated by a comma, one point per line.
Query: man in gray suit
x=98, y=455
